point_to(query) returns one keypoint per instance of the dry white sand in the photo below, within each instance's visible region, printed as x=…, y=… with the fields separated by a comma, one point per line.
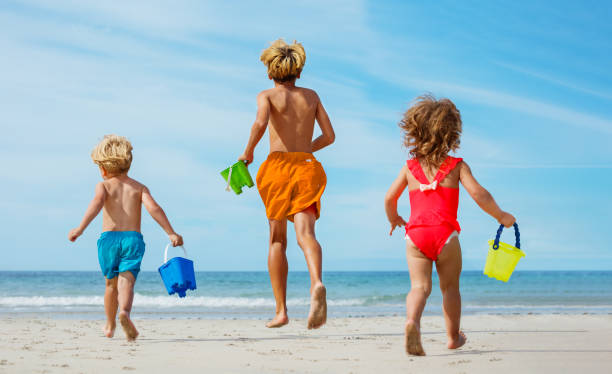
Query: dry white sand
x=496, y=344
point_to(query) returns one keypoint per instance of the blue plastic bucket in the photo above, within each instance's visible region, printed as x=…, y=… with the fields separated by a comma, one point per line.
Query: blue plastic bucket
x=178, y=274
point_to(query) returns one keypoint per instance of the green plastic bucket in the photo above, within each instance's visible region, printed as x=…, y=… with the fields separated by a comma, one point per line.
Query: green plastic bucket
x=237, y=176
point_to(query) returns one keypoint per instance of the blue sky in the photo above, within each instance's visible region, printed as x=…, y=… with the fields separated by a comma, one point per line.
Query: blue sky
x=179, y=79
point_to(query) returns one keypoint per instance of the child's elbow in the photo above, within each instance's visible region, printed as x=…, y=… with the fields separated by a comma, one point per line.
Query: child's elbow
x=259, y=126
x=331, y=138
x=390, y=198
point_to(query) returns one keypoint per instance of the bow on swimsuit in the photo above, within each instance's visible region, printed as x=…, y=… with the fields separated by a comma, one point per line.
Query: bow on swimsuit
x=433, y=215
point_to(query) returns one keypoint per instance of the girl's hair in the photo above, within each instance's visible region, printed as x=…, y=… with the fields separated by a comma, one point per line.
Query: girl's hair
x=432, y=129
x=284, y=61
x=113, y=154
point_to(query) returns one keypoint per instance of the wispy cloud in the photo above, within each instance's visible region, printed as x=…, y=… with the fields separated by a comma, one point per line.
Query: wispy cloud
x=516, y=103
x=555, y=80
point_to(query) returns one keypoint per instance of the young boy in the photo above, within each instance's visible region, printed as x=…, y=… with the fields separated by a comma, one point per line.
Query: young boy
x=291, y=181
x=120, y=247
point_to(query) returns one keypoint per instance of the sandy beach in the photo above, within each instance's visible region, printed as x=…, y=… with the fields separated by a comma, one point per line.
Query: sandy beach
x=496, y=344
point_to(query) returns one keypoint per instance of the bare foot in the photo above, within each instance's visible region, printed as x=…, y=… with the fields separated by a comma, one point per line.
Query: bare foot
x=413, y=340
x=318, y=307
x=109, y=329
x=130, y=330
x=457, y=342
x=279, y=320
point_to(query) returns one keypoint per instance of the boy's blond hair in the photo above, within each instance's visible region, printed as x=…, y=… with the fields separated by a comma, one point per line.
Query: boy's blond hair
x=113, y=154
x=284, y=61
x=432, y=129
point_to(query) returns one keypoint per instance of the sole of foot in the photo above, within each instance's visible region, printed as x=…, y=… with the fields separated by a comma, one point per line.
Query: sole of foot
x=128, y=327
x=457, y=343
x=318, y=307
x=278, y=321
x=413, y=340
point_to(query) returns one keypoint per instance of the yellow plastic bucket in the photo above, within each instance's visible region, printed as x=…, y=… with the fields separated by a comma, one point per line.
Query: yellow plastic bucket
x=503, y=257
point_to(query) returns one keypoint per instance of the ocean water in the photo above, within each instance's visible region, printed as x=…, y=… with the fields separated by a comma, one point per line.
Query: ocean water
x=350, y=294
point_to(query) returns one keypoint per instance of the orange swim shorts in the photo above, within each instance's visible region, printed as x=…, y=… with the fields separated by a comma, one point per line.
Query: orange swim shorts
x=290, y=182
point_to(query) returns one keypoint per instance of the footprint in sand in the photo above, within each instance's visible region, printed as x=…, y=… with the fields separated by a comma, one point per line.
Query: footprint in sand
x=459, y=362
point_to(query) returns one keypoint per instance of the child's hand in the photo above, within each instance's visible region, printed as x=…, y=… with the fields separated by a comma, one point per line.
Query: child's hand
x=176, y=239
x=248, y=157
x=396, y=222
x=74, y=234
x=506, y=219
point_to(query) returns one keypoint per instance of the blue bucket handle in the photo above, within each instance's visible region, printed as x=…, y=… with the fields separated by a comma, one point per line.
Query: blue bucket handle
x=516, y=234
x=166, y=252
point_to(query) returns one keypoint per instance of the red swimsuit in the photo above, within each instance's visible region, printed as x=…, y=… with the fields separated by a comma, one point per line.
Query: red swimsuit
x=433, y=215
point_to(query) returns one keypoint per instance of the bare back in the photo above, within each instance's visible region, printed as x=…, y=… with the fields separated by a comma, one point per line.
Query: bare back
x=293, y=111
x=122, y=205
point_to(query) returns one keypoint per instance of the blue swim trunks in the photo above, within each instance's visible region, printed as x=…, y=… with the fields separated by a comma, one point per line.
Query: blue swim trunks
x=120, y=251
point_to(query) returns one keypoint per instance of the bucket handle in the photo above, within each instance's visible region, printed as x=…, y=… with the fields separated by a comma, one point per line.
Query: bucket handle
x=516, y=234
x=229, y=178
x=166, y=252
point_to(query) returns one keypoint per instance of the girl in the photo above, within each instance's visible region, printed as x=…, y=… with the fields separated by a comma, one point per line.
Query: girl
x=432, y=129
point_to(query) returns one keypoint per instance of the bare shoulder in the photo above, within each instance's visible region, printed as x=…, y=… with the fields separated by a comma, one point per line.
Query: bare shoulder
x=463, y=167
x=136, y=184
x=265, y=94
x=101, y=187
x=310, y=93
x=405, y=172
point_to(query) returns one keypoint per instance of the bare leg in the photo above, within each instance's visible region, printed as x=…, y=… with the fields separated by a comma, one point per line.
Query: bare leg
x=305, y=231
x=110, y=306
x=420, y=288
x=448, y=266
x=278, y=269
x=126, y=297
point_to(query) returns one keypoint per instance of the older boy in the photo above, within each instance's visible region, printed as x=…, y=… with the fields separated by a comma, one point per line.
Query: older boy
x=120, y=247
x=291, y=181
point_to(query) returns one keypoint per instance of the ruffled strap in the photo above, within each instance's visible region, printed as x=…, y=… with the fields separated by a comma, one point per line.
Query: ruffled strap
x=417, y=171
x=447, y=166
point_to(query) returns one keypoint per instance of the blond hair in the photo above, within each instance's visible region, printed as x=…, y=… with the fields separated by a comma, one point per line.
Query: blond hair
x=432, y=128
x=113, y=154
x=285, y=62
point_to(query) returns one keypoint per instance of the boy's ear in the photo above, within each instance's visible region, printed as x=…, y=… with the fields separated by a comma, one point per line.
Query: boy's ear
x=269, y=77
x=298, y=75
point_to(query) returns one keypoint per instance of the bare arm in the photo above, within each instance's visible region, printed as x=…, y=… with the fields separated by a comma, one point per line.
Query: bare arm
x=482, y=197
x=395, y=191
x=159, y=216
x=97, y=203
x=328, y=136
x=258, y=129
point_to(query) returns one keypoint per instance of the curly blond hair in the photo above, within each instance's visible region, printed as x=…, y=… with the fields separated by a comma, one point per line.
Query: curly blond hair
x=285, y=62
x=432, y=129
x=113, y=154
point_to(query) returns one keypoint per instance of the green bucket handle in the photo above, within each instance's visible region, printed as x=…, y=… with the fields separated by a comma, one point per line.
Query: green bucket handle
x=243, y=178
x=516, y=234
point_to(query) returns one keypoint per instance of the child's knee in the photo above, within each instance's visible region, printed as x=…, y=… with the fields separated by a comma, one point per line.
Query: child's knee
x=422, y=288
x=111, y=283
x=278, y=241
x=304, y=239
x=452, y=285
